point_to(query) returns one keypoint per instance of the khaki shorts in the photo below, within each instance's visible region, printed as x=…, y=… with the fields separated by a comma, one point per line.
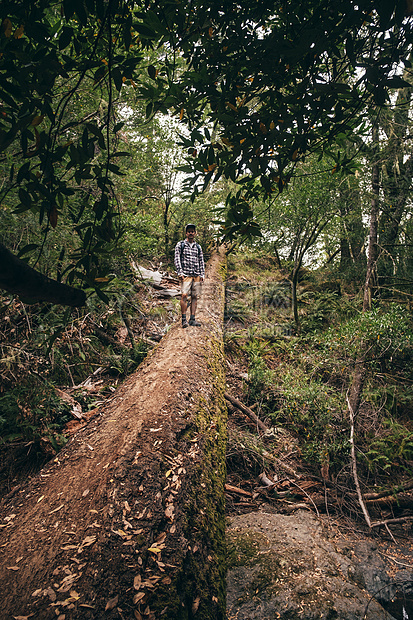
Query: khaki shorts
x=191, y=286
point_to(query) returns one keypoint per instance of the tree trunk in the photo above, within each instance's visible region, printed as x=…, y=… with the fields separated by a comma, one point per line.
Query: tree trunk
x=353, y=234
x=372, y=249
x=128, y=520
x=397, y=181
x=294, y=300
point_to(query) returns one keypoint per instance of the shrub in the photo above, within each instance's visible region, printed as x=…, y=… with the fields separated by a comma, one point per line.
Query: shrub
x=392, y=449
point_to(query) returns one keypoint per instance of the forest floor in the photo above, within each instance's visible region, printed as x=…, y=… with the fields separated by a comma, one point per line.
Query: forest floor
x=251, y=455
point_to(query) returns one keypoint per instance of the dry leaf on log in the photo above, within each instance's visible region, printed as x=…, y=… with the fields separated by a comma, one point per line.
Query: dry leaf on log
x=111, y=604
x=138, y=597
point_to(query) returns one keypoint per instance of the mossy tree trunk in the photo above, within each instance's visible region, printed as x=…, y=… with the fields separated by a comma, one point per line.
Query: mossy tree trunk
x=128, y=521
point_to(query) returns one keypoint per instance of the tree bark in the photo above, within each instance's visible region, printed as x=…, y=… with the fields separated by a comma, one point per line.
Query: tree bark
x=397, y=180
x=128, y=520
x=374, y=211
x=19, y=278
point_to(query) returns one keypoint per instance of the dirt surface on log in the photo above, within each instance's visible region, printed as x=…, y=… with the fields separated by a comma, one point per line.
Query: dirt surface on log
x=128, y=520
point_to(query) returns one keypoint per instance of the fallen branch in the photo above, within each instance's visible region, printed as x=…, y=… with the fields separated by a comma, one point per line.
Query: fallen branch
x=263, y=478
x=18, y=278
x=354, y=464
x=387, y=521
x=252, y=416
x=394, y=560
x=307, y=495
x=128, y=327
x=401, y=501
x=401, y=488
x=288, y=508
x=280, y=464
x=231, y=489
x=154, y=336
x=107, y=339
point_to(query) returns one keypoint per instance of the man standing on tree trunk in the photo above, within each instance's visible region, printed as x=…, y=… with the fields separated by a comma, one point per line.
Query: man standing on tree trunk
x=189, y=263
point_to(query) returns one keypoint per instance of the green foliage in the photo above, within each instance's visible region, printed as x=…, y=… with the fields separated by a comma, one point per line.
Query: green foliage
x=291, y=97
x=260, y=378
x=300, y=383
x=392, y=450
x=31, y=411
x=126, y=363
x=299, y=402
x=387, y=332
x=63, y=120
x=324, y=308
x=313, y=410
x=42, y=347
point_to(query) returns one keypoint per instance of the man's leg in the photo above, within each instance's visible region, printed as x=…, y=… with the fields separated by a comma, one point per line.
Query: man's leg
x=184, y=306
x=195, y=292
x=185, y=289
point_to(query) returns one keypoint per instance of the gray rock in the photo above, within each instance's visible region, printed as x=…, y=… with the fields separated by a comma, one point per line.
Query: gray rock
x=290, y=567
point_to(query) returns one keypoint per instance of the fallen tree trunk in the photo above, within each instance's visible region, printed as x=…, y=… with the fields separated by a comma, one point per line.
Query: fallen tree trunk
x=128, y=520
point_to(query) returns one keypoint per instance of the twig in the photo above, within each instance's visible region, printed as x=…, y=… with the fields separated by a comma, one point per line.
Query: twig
x=389, y=492
x=389, y=532
x=106, y=338
x=128, y=326
x=354, y=464
x=305, y=493
x=395, y=561
x=280, y=464
x=387, y=521
x=231, y=489
x=247, y=411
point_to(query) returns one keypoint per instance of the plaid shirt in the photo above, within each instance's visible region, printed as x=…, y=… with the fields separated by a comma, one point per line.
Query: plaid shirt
x=192, y=263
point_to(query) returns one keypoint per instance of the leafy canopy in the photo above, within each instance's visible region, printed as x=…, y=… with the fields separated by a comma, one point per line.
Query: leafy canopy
x=260, y=85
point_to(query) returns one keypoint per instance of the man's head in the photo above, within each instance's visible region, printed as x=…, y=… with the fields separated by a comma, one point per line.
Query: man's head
x=190, y=231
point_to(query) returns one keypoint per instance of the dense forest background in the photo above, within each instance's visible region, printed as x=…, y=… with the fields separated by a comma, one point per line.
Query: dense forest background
x=285, y=132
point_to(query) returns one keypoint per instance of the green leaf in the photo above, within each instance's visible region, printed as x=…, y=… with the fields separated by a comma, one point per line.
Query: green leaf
x=397, y=82
x=152, y=72
x=145, y=32
x=385, y=9
x=102, y=295
x=65, y=37
x=23, y=172
x=25, y=197
x=68, y=9
x=115, y=169
x=80, y=11
x=27, y=248
x=149, y=109
x=117, y=78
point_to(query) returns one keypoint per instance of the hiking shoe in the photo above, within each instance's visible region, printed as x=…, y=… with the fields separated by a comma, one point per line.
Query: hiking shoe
x=184, y=323
x=194, y=322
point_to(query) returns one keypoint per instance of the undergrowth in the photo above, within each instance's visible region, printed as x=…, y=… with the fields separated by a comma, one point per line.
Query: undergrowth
x=46, y=349
x=301, y=381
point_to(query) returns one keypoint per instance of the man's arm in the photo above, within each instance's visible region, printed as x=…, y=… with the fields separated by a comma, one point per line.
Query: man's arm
x=177, y=260
x=201, y=263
